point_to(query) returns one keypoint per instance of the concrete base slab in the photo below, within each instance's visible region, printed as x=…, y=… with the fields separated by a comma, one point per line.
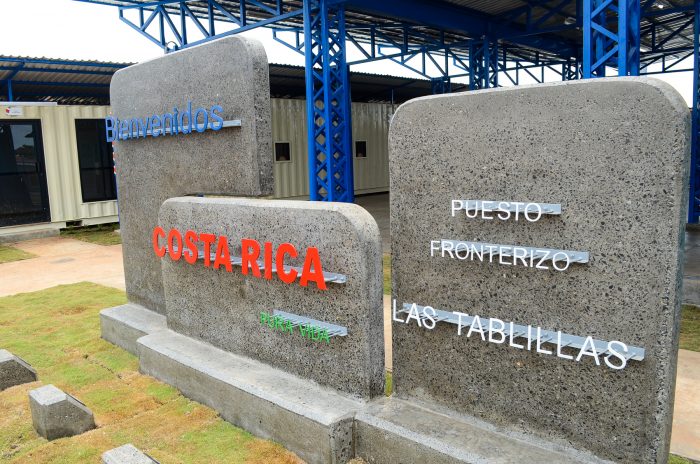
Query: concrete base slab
x=56, y=414
x=126, y=454
x=123, y=325
x=390, y=430
x=14, y=371
x=314, y=422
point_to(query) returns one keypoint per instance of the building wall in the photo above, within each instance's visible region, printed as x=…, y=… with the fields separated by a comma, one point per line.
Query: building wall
x=61, y=158
x=370, y=124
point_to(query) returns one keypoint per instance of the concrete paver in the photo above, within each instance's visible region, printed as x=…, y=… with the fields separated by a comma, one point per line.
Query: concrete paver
x=685, y=438
x=62, y=261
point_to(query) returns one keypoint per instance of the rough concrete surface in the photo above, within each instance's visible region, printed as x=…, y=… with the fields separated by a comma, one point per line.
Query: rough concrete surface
x=223, y=308
x=126, y=454
x=395, y=431
x=231, y=72
x=310, y=420
x=614, y=153
x=56, y=414
x=124, y=325
x=14, y=371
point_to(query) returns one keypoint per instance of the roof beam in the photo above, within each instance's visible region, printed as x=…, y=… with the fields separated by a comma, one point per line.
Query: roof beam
x=448, y=17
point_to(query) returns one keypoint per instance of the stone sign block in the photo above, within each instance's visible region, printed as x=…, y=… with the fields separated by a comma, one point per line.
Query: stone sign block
x=126, y=454
x=212, y=85
x=293, y=284
x=14, y=371
x=559, y=208
x=56, y=414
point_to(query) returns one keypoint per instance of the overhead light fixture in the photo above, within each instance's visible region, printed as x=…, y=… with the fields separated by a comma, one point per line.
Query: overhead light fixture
x=569, y=20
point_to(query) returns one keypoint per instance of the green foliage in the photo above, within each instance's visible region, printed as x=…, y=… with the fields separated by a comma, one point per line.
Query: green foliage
x=103, y=234
x=690, y=328
x=9, y=254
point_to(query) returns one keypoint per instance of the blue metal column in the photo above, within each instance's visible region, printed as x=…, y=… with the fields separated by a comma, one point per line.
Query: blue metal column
x=328, y=115
x=694, y=206
x=602, y=46
x=9, y=90
x=483, y=64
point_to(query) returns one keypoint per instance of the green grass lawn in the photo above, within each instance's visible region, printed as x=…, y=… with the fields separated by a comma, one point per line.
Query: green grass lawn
x=10, y=253
x=57, y=332
x=690, y=328
x=103, y=234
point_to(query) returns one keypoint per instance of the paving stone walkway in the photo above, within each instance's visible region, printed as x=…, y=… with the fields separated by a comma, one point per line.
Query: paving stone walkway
x=64, y=261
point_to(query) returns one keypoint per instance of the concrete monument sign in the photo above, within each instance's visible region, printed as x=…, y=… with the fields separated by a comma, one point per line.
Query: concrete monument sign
x=194, y=121
x=537, y=245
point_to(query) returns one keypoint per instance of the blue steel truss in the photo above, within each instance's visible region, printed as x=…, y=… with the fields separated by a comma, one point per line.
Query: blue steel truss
x=602, y=45
x=443, y=41
x=694, y=206
x=327, y=103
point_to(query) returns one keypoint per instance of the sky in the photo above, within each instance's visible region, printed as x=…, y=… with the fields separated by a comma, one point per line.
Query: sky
x=74, y=30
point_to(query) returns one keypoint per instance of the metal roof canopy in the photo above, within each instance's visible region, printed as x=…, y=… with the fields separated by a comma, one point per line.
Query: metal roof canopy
x=74, y=82
x=531, y=30
x=441, y=40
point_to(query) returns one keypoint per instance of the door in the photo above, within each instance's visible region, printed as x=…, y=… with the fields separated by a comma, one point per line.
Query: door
x=24, y=197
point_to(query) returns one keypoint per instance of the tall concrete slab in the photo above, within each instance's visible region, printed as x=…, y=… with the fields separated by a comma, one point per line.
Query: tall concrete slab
x=328, y=329
x=231, y=73
x=613, y=155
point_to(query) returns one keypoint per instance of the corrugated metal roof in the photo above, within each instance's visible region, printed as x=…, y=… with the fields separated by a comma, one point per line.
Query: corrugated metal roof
x=62, y=81
x=87, y=82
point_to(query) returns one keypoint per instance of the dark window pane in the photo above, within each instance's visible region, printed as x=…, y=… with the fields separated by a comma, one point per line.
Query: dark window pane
x=283, y=151
x=95, y=159
x=361, y=149
x=23, y=195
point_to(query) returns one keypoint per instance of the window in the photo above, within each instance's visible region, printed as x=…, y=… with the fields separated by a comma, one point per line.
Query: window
x=283, y=152
x=360, y=149
x=97, y=181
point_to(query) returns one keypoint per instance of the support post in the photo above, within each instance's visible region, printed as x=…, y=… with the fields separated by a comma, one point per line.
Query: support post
x=9, y=90
x=483, y=64
x=328, y=112
x=694, y=206
x=602, y=46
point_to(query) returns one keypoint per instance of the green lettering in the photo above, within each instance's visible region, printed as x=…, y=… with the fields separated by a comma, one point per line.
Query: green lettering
x=279, y=322
x=289, y=327
x=264, y=317
x=324, y=336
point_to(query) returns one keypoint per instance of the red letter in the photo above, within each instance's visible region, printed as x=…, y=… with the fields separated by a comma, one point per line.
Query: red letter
x=174, y=254
x=158, y=232
x=207, y=239
x=190, y=244
x=268, y=260
x=312, y=258
x=286, y=248
x=222, y=254
x=250, y=250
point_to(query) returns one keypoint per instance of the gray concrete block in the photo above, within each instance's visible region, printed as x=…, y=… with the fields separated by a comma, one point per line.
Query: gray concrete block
x=223, y=308
x=126, y=454
x=615, y=154
x=312, y=421
x=231, y=72
x=393, y=431
x=14, y=371
x=123, y=325
x=56, y=414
